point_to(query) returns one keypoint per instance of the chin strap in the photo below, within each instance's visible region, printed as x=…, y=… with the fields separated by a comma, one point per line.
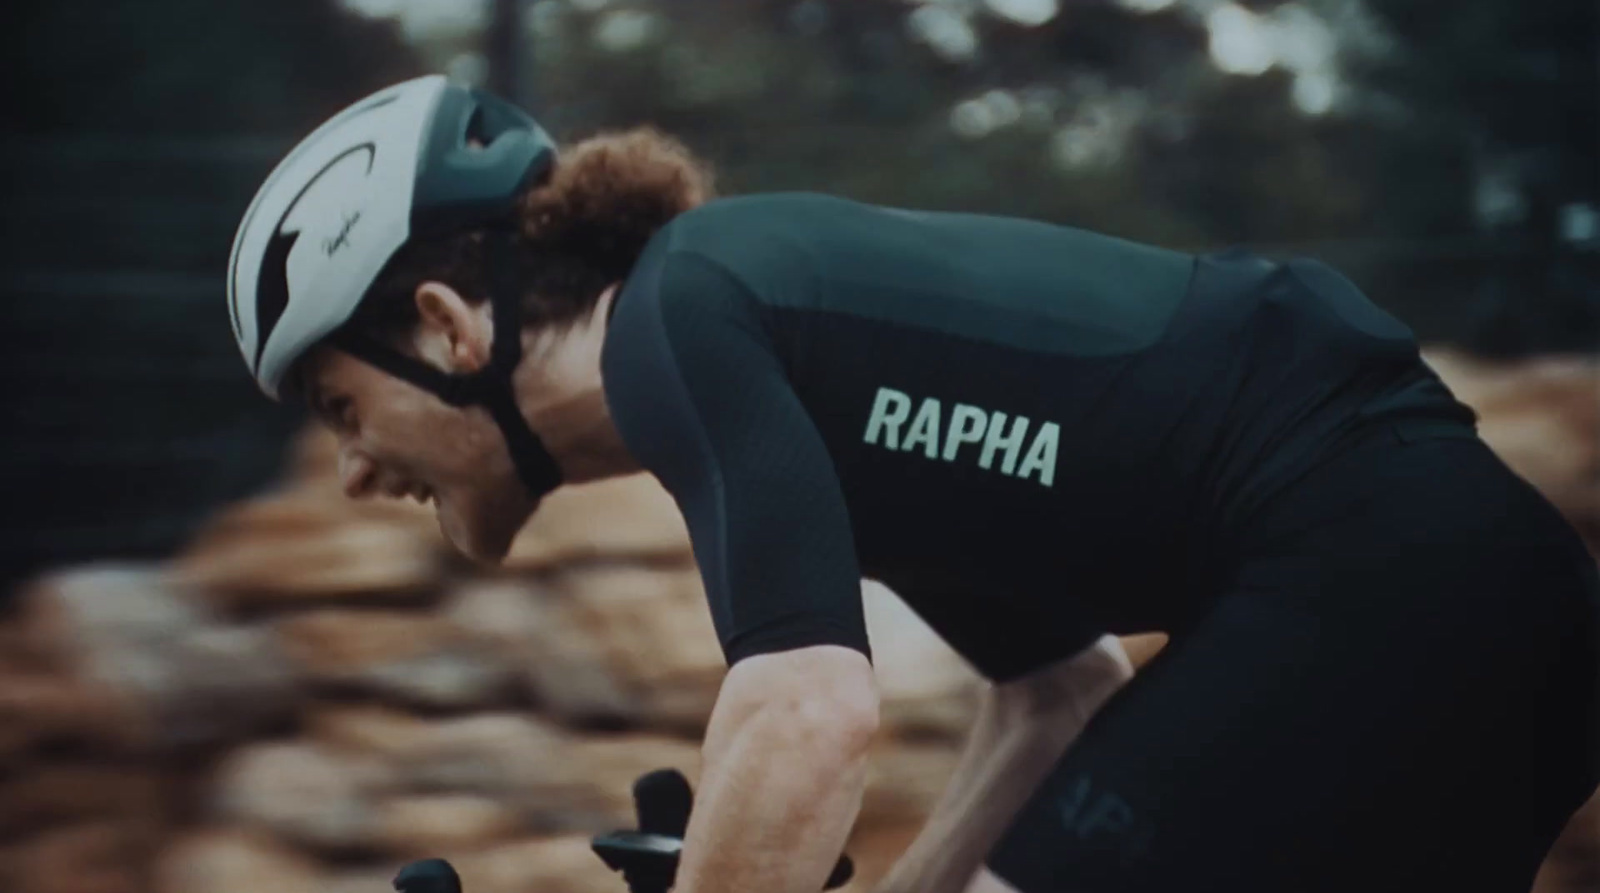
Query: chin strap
x=489, y=387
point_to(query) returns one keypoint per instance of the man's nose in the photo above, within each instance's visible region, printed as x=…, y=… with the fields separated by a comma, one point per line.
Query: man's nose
x=357, y=473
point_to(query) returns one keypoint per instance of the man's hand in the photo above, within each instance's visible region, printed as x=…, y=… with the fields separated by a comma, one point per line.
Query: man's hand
x=784, y=768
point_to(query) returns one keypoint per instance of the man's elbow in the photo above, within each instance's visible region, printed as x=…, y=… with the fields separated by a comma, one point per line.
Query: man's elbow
x=842, y=723
x=823, y=698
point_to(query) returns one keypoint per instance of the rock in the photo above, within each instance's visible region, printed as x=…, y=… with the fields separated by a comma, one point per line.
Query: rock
x=101, y=857
x=874, y=848
x=180, y=679
x=485, y=752
x=410, y=657
x=24, y=652
x=566, y=665
x=607, y=766
x=488, y=753
x=233, y=860
x=294, y=549
x=303, y=793
x=39, y=711
x=654, y=630
x=108, y=605
x=629, y=517
x=562, y=864
x=48, y=794
x=371, y=731
x=550, y=779
x=235, y=680
x=559, y=659
x=904, y=780
x=516, y=760
x=1542, y=417
x=364, y=880
x=499, y=613
x=635, y=643
x=416, y=826
x=608, y=642
x=924, y=687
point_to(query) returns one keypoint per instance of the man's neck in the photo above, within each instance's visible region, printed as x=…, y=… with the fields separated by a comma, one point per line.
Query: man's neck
x=560, y=393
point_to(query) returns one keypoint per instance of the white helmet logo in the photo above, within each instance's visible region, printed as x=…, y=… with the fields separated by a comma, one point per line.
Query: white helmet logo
x=332, y=245
x=318, y=208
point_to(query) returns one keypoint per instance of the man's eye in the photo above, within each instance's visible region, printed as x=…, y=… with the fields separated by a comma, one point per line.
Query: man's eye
x=335, y=411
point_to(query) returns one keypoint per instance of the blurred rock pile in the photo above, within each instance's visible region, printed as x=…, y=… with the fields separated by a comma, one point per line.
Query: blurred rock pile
x=1542, y=416
x=317, y=690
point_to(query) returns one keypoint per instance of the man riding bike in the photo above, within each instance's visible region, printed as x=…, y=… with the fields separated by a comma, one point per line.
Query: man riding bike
x=1382, y=668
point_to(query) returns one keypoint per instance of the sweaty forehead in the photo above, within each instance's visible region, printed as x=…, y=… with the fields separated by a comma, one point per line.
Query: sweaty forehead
x=327, y=373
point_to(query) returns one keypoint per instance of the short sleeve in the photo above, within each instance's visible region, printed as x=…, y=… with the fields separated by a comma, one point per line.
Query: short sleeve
x=702, y=401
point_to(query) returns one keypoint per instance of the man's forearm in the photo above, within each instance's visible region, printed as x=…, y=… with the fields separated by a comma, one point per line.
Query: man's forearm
x=1019, y=733
x=773, y=811
x=784, y=766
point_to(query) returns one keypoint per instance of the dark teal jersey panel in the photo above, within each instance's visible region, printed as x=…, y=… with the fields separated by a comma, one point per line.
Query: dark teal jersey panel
x=1035, y=434
x=988, y=278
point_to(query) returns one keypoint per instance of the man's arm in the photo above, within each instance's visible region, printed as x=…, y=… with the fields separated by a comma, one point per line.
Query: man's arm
x=784, y=766
x=1021, y=729
x=702, y=400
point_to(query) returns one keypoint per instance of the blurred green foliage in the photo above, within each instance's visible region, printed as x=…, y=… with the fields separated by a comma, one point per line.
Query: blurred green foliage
x=135, y=131
x=1442, y=100
x=191, y=67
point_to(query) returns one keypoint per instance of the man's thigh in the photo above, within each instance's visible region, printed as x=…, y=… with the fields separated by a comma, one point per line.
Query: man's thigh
x=1256, y=755
x=1398, y=692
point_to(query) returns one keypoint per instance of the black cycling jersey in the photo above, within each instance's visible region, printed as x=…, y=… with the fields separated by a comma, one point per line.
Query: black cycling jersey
x=1033, y=433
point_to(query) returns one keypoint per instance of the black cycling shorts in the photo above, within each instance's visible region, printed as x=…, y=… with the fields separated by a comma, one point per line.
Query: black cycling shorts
x=1397, y=691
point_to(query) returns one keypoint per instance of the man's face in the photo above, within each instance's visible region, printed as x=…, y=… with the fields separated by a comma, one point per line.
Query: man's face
x=397, y=440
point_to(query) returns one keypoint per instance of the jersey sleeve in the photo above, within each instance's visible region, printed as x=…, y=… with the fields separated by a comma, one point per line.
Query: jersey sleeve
x=701, y=401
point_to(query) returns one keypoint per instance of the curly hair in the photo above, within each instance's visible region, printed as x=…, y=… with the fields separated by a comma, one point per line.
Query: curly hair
x=580, y=230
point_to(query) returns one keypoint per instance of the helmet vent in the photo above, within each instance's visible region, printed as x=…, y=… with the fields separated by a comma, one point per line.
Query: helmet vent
x=477, y=135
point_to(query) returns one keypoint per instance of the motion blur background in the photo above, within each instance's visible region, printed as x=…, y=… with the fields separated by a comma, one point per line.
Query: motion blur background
x=1443, y=153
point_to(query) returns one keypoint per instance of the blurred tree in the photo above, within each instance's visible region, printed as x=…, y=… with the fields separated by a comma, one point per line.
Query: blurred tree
x=1119, y=120
x=840, y=96
x=192, y=67
x=1472, y=118
x=1103, y=116
x=135, y=133
x=1494, y=126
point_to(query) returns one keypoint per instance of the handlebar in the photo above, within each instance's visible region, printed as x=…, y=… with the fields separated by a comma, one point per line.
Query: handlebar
x=649, y=862
x=647, y=858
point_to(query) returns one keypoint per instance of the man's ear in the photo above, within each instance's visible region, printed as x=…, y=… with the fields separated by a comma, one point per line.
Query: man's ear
x=453, y=334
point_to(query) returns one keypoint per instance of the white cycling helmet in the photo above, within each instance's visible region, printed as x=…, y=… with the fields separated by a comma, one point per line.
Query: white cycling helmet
x=422, y=159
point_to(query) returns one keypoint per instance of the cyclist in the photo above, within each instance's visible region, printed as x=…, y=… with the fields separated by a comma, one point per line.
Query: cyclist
x=1382, y=669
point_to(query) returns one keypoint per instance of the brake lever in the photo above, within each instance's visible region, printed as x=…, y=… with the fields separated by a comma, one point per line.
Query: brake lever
x=428, y=876
x=649, y=862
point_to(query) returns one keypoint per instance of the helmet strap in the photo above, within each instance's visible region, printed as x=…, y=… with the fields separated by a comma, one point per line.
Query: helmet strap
x=489, y=387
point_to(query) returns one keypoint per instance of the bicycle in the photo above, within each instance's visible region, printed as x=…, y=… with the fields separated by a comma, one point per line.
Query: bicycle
x=647, y=857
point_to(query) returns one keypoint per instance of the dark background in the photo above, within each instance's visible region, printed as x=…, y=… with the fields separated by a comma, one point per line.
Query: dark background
x=1455, y=178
